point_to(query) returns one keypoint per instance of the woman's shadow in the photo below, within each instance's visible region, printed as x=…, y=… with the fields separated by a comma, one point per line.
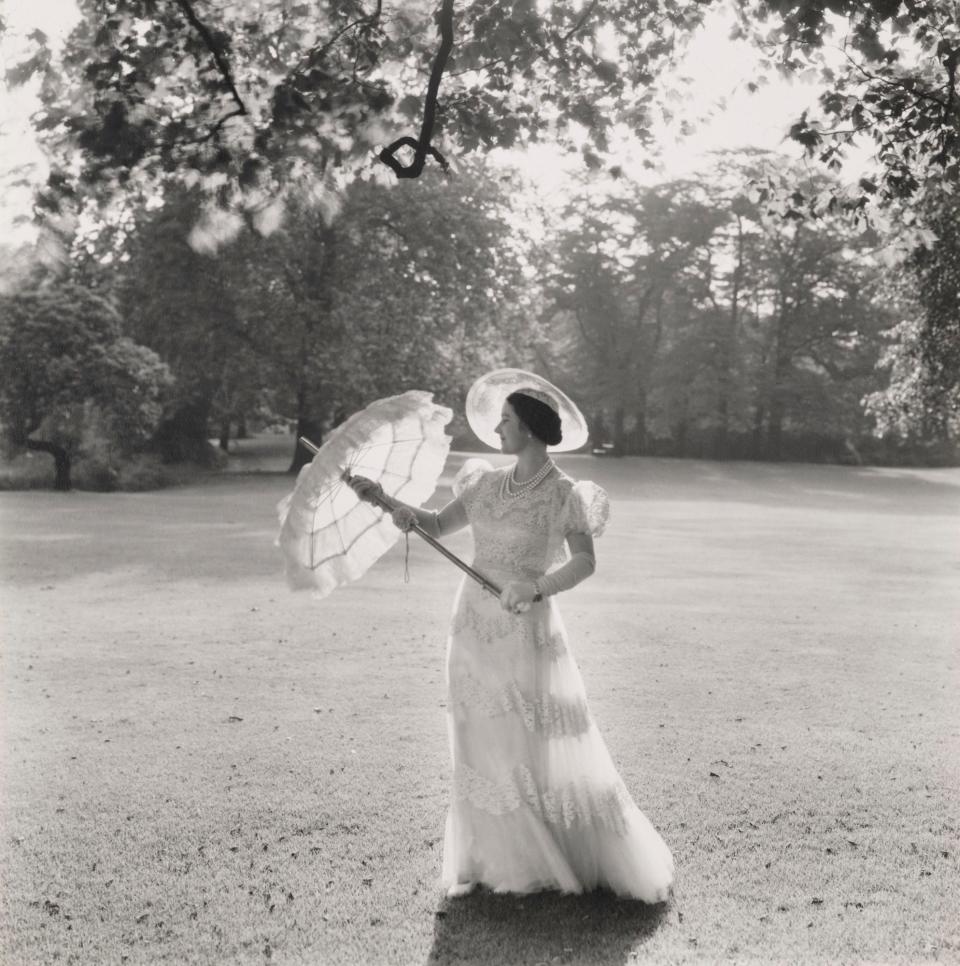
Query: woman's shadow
x=545, y=927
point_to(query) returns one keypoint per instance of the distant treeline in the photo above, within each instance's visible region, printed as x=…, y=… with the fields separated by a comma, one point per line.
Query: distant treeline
x=689, y=319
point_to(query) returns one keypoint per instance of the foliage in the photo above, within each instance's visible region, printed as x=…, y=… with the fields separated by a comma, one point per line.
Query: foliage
x=246, y=100
x=922, y=357
x=64, y=366
x=896, y=84
x=622, y=274
x=231, y=116
x=430, y=286
x=19, y=268
x=417, y=283
x=701, y=319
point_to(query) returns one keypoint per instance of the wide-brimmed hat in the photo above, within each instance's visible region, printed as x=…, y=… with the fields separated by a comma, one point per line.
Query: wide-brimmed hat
x=487, y=395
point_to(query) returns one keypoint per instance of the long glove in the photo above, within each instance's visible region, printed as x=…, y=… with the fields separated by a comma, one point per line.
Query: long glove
x=580, y=566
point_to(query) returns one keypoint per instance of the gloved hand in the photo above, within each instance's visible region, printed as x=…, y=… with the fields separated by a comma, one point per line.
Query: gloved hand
x=404, y=518
x=517, y=596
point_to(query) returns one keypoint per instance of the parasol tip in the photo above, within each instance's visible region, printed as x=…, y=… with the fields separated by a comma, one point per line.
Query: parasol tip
x=309, y=445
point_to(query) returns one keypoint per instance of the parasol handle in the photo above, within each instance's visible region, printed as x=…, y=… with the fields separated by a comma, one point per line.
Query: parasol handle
x=488, y=585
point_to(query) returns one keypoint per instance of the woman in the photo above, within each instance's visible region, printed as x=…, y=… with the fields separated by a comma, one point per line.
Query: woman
x=537, y=802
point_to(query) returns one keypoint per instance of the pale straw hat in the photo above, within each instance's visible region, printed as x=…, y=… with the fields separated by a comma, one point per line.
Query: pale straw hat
x=487, y=395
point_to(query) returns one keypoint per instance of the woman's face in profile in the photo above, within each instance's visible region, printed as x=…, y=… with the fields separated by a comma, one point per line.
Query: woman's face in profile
x=513, y=435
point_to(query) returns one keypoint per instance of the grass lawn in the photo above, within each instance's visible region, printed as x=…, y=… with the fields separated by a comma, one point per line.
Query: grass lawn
x=200, y=767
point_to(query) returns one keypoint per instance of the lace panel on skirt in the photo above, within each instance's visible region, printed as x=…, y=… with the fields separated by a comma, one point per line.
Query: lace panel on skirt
x=498, y=625
x=572, y=804
x=543, y=715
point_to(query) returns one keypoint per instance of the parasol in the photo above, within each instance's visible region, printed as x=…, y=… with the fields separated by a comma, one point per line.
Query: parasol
x=329, y=536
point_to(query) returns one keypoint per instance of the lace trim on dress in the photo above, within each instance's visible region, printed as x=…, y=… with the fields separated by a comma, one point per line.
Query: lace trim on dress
x=469, y=475
x=524, y=629
x=570, y=804
x=545, y=715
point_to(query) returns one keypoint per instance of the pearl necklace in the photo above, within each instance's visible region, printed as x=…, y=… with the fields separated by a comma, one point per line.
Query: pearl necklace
x=510, y=489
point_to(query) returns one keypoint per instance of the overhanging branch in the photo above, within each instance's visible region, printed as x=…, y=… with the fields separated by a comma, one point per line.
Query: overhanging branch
x=217, y=53
x=422, y=146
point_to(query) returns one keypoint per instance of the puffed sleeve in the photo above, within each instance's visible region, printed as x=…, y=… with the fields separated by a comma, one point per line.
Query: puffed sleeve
x=467, y=478
x=586, y=510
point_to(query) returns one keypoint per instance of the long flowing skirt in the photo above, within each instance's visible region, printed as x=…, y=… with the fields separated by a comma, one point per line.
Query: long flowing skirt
x=537, y=801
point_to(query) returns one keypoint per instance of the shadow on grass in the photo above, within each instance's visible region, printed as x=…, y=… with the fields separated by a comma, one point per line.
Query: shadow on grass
x=487, y=928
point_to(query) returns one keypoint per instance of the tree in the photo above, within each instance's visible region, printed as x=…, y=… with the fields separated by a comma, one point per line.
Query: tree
x=922, y=397
x=409, y=284
x=898, y=84
x=63, y=361
x=246, y=100
x=431, y=285
x=704, y=320
x=183, y=304
x=622, y=268
x=422, y=286
x=246, y=104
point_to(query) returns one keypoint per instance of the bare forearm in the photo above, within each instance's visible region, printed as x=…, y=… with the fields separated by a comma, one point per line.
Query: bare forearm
x=435, y=523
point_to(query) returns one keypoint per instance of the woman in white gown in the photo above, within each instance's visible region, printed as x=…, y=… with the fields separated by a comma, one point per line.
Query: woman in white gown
x=537, y=801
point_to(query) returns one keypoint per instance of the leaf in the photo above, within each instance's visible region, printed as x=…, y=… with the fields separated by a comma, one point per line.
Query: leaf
x=410, y=106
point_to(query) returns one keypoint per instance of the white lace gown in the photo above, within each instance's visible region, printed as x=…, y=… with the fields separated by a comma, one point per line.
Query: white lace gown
x=537, y=801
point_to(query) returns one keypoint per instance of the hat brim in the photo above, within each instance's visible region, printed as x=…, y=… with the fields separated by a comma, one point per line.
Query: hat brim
x=488, y=394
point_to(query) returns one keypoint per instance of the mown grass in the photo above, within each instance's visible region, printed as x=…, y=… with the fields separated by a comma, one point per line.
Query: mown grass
x=199, y=767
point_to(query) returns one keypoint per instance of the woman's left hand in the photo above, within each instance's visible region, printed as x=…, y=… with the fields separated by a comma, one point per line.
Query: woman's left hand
x=517, y=596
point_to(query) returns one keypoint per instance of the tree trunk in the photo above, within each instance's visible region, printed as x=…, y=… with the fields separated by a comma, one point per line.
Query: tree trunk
x=757, y=443
x=778, y=403
x=774, y=448
x=619, y=433
x=61, y=461
x=598, y=429
x=640, y=432
x=721, y=430
x=308, y=426
x=728, y=343
x=224, y=441
x=183, y=437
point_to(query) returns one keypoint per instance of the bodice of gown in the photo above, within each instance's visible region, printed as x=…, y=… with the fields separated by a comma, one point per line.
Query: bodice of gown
x=525, y=535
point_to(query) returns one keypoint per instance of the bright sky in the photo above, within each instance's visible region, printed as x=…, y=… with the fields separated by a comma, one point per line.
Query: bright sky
x=716, y=70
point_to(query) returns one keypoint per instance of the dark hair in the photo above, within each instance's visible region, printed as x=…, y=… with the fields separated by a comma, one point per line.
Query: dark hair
x=537, y=416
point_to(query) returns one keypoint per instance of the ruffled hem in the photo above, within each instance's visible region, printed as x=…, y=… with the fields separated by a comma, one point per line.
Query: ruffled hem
x=519, y=853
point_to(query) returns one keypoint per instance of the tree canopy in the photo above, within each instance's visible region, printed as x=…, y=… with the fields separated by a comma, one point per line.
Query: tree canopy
x=65, y=361
x=226, y=172
x=246, y=98
x=697, y=319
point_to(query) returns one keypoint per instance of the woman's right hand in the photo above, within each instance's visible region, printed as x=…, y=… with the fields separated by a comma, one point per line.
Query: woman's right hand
x=365, y=489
